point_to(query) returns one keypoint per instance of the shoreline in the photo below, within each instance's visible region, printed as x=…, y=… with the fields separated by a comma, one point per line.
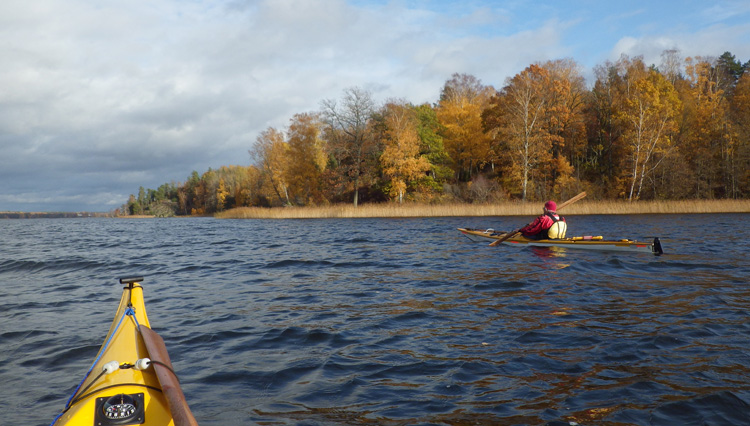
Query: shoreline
x=411, y=210
x=510, y=208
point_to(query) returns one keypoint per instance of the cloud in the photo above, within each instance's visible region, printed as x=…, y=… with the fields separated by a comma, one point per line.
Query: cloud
x=98, y=98
x=708, y=42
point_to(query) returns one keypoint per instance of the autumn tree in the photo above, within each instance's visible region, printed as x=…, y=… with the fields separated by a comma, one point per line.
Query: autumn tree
x=350, y=137
x=517, y=116
x=431, y=143
x=270, y=153
x=213, y=191
x=603, y=156
x=648, y=114
x=209, y=183
x=734, y=165
x=187, y=194
x=671, y=65
x=677, y=131
x=401, y=160
x=462, y=100
x=221, y=195
x=739, y=116
x=564, y=127
x=307, y=158
x=728, y=71
x=237, y=185
x=608, y=147
x=247, y=186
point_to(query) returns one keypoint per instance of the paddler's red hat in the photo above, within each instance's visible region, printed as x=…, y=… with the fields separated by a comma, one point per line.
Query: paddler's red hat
x=551, y=206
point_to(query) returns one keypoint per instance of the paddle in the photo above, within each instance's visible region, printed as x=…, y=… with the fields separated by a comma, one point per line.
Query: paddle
x=511, y=234
x=168, y=380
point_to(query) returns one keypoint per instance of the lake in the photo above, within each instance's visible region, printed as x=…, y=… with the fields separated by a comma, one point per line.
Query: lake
x=390, y=321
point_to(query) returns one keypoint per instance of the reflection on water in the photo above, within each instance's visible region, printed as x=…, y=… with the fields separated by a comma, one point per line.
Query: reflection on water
x=551, y=257
x=390, y=321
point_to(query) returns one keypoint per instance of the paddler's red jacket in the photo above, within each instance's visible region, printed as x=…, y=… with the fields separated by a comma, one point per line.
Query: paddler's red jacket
x=539, y=225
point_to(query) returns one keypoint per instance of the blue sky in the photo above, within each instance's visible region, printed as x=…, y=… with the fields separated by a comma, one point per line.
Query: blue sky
x=98, y=98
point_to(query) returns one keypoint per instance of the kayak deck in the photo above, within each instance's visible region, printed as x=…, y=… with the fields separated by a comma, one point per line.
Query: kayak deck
x=131, y=380
x=581, y=243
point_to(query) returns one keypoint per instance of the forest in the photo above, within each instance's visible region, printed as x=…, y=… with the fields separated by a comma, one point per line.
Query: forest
x=673, y=131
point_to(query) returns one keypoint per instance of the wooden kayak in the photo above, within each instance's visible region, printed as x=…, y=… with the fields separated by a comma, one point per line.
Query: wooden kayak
x=583, y=243
x=131, y=381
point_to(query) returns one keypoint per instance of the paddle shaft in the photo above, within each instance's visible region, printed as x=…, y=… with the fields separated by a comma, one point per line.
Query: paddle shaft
x=572, y=200
x=505, y=237
x=170, y=385
x=511, y=234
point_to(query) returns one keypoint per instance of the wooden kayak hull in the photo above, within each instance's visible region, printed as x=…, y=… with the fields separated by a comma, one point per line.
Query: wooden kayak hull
x=578, y=243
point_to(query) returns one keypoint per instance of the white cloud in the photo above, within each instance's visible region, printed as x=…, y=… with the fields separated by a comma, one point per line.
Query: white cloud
x=708, y=42
x=97, y=95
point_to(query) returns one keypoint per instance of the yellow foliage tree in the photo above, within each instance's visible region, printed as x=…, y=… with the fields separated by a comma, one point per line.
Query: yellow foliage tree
x=400, y=159
x=648, y=114
x=307, y=158
x=708, y=146
x=221, y=195
x=270, y=152
x=564, y=124
x=518, y=116
x=740, y=111
x=462, y=101
x=236, y=186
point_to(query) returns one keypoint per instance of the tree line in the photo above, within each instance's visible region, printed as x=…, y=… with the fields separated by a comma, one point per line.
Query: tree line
x=679, y=130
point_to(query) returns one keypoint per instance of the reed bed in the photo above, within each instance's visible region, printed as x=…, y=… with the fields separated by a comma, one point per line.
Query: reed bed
x=510, y=208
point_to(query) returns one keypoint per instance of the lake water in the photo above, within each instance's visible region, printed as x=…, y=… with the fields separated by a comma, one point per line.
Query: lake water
x=390, y=321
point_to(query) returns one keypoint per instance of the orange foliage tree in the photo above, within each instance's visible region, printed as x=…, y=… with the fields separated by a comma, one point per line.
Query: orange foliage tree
x=564, y=125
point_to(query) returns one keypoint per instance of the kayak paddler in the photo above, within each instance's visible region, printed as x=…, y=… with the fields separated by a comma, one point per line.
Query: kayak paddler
x=547, y=226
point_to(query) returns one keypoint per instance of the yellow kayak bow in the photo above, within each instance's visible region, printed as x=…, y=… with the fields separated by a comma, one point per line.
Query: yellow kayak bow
x=131, y=381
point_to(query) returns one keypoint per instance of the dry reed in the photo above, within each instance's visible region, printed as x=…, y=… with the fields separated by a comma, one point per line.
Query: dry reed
x=509, y=208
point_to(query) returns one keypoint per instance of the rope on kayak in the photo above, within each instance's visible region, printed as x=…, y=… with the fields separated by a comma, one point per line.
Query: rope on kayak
x=128, y=312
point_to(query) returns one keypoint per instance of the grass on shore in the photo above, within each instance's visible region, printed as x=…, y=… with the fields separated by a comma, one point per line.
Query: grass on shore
x=510, y=208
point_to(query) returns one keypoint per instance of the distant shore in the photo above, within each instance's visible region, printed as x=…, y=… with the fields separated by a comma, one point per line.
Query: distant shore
x=393, y=210
x=50, y=215
x=510, y=208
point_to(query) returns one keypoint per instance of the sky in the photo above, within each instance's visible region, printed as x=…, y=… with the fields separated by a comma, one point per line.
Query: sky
x=101, y=97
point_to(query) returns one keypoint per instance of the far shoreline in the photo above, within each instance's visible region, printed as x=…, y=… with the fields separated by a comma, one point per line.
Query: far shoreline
x=414, y=210
x=510, y=208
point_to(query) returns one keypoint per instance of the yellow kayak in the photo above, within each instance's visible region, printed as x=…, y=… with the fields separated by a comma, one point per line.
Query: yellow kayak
x=131, y=381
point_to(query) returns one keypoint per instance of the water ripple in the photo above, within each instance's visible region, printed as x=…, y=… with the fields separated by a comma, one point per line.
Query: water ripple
x=390, y=321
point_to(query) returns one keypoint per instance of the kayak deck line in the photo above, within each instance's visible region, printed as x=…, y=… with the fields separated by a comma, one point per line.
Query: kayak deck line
x=582, y=242
x=142, y=390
